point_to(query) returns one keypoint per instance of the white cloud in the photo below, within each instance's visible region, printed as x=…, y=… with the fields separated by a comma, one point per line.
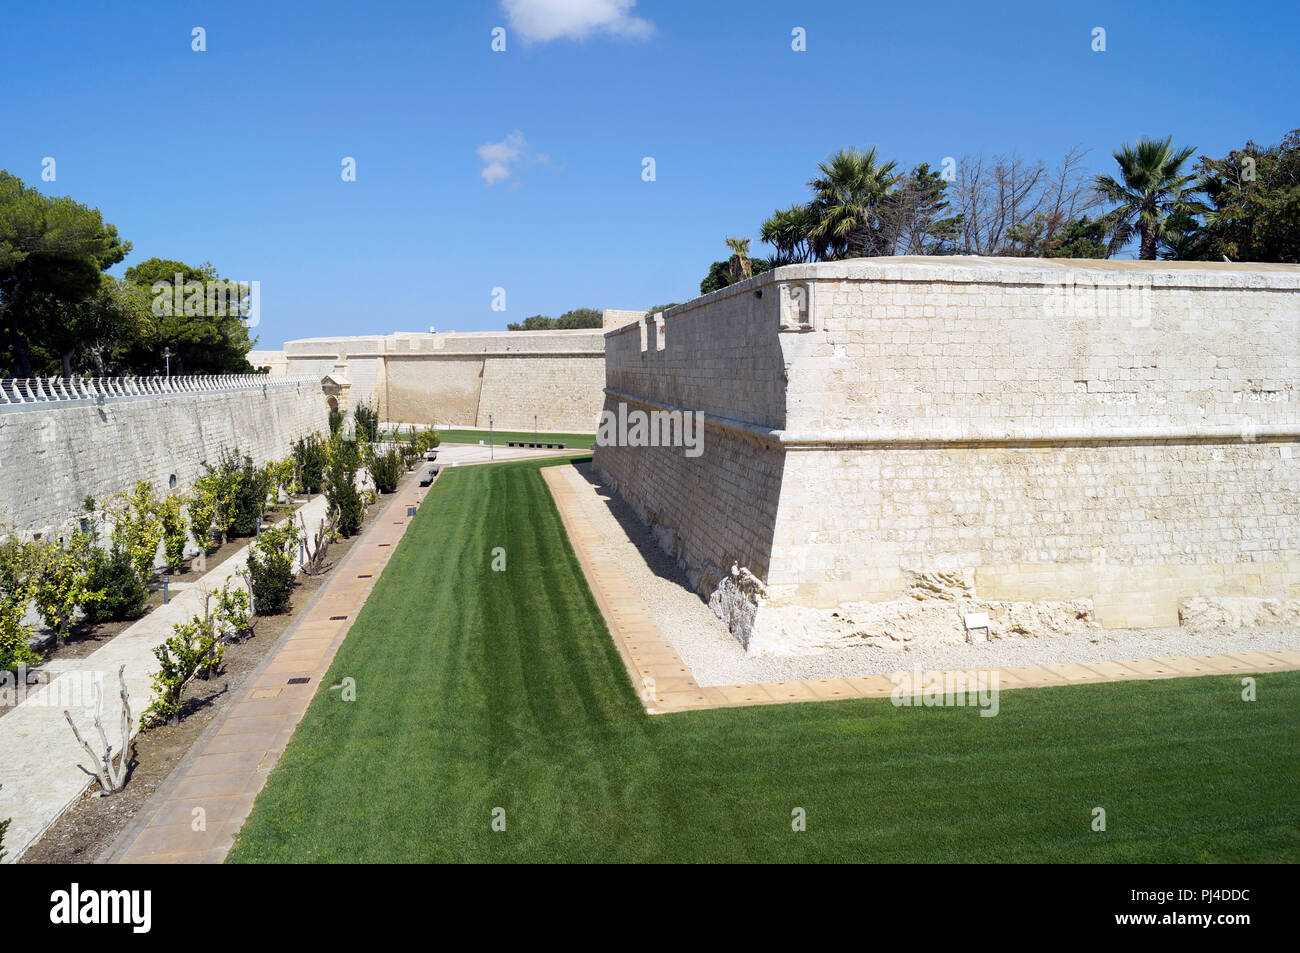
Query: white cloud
x=545, y=20
x=501, y=159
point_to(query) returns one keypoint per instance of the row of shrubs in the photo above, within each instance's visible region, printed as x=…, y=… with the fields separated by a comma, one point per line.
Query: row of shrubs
x=196, y=647
x=105, y=580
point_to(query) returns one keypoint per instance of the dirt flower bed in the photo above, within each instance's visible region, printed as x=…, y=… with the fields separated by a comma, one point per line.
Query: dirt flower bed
x=91, y=825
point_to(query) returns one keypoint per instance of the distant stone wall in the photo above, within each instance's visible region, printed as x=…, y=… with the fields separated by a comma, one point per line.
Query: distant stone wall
x=612, y=318
x=550, y=379
x=1099, y=441
x=52, y=458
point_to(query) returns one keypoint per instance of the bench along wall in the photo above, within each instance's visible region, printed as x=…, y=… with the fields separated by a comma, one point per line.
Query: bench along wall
x=454, y=379
x=1094, y=441
x=52, y=458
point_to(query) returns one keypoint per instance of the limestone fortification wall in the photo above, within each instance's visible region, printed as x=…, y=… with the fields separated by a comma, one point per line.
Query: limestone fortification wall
x=455, y=379
x=1103, y=440
x=52, y=458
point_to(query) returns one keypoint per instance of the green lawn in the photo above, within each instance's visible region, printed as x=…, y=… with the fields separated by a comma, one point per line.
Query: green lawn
x=479, y=689
x=572, y=441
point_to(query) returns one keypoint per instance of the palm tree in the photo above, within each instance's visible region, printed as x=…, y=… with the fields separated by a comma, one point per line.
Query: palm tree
x=788, y=231
x=741, y=268
x=846, y=194
x=1154, y=195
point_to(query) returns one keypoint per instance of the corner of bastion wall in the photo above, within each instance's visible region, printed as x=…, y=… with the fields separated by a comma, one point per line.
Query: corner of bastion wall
x=899, y=448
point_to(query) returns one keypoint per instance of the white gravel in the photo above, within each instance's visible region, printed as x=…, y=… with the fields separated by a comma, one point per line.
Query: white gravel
x=716, y=658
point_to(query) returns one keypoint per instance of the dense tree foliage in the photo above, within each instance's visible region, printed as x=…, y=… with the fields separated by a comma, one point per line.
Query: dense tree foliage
x=207, y=334
x=51, y=250
x=719, y=275
x=577, y=318
x=1243, y=207
x=60, y=313
x=1254, y=205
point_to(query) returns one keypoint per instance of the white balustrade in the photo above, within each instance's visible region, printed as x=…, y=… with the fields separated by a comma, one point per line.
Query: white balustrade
x=30, y=392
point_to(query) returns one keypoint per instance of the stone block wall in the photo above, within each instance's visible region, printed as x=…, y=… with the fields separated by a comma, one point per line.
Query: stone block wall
x=1120, y=436
x=52, y=458
x=453, y=379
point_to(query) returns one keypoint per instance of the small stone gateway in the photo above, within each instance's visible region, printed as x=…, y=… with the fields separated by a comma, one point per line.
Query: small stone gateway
x=895, y=444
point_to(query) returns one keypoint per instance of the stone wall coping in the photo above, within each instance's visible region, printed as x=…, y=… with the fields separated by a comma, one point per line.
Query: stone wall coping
x=973, y=269
x=584, y=341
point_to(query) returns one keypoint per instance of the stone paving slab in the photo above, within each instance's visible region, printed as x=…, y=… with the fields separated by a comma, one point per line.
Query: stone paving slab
x=40, y=773
x=657, y=671
x=231, y=760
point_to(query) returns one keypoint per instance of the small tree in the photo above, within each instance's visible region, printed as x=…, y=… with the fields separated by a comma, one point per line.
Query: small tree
x=280, y=475
x=202, y=511
x=310, y=457
x=228, y=616
x=15, y=637
x=137, y=528
x=367, y=420
x=346, y=507
x=270, y=568
x=16, y=584
x=192, y=647
x=119, y=593
x=249, y=499
x=233, y=615
x=172, y=520
x=61, y=583
x=385, y=469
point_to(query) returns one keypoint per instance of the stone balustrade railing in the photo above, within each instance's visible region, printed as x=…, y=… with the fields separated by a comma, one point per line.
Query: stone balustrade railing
x=23, y=392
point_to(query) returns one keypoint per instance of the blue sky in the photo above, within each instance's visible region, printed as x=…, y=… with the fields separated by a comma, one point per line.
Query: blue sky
x=234, y=154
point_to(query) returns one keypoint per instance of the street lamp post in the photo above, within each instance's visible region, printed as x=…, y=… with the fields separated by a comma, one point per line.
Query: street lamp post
x=492, y=454
x=167, y=356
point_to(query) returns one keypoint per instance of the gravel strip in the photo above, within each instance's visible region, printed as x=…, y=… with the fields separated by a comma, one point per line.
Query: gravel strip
x=715, y=658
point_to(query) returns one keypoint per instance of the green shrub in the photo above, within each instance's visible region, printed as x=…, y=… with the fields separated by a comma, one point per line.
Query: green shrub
x=216, y=489
x=386, y=469
x=15, y=649
x=341, y=486
x=17, y=560
x=192, y=648
x=137, y=528
x=120, y=593
x=202, y=511
x=310, y=457
x=60, y=581
x=249, y=498
x=270, y=569
x=233, y=614
x=173, y=529
x=336, y=421
x=426, y=439
x=279, y=476
x=367, y=420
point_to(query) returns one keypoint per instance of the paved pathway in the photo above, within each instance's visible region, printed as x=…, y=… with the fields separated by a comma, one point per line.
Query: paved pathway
x=40, y=775
x=195, y=815
x=665, y=684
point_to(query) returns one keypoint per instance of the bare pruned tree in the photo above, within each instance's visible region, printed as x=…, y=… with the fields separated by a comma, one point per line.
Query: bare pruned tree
x=1013, y=207
x=993, y=197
